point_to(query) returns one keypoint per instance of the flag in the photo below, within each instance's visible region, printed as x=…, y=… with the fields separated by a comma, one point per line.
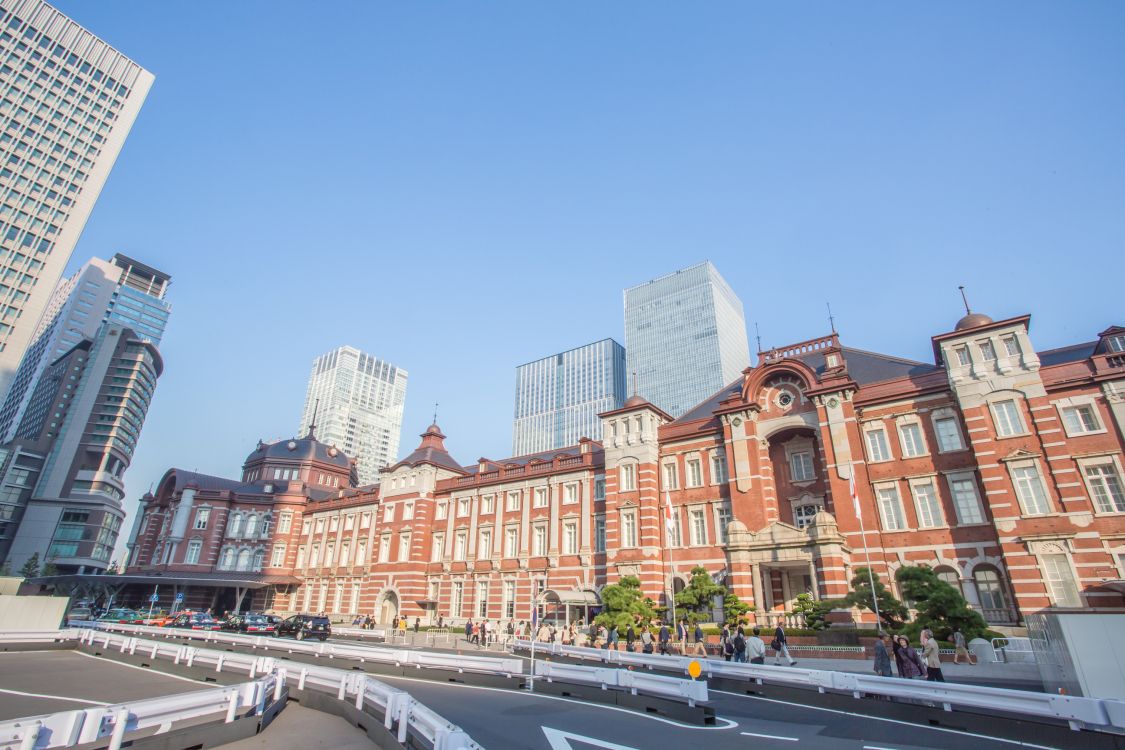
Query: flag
x=669, y=518
x=855, y=496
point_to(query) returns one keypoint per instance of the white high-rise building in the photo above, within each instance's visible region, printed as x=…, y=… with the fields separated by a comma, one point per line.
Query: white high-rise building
x=355, y=402
x=67, y=102
x=558, y=398
x=685, y=337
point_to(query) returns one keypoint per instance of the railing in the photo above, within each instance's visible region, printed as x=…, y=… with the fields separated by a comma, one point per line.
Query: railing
x=1078, y=712
x=998, y=616
x=689, y=691
x=68, y=728
x=1013, y=650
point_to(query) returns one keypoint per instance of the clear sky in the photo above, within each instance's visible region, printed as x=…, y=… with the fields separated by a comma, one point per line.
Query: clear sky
x=463, y=187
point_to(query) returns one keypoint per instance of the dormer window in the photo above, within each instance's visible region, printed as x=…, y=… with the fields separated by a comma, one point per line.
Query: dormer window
x=1011, y=346
x=1116, y=343
x=832, y=360
x=963, y=358
x=987, y=352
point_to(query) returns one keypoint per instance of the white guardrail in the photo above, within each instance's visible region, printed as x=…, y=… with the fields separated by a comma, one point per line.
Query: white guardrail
x=691, y=691
x=1078, y=712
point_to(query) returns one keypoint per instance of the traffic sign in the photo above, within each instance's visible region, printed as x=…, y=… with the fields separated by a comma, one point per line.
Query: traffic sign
x=180, y=597
x=694, y=669
x=154, y=598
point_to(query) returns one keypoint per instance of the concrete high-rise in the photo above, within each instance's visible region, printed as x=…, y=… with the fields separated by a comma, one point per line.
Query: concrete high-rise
x=685, y=337
x=558, y=398
x=356, y=402
x=120, y=291
x=67, y=103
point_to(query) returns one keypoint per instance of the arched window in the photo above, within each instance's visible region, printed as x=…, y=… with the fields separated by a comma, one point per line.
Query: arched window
x=259, y=557
x=949, y=575
x=228, y=559
x=990, y=587
x=235, y=529
x=244, y=559
x=251, y=527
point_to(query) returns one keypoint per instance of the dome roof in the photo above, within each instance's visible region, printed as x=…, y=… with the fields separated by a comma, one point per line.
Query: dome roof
x=972, y=320
x=634, y=400
x=303, y=449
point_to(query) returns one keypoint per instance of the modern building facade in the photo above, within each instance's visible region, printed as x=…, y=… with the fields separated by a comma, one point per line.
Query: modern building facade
x=559, y=398
x=685, y=337
x=120, y=291
x=67, y=103
x=998, y=465
x=355, y=401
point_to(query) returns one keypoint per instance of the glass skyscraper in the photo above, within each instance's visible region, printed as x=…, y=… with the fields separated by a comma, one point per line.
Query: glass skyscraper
x=558, y=398
x=685, y=335
x=67, y=102
x=357, y=402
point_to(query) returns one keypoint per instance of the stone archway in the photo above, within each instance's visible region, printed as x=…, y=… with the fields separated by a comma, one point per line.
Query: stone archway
x=387, y=610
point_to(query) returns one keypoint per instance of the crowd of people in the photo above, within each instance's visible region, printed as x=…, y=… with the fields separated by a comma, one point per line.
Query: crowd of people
x=911, y=665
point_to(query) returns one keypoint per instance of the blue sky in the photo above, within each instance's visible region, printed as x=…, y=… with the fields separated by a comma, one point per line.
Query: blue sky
x=463, y=187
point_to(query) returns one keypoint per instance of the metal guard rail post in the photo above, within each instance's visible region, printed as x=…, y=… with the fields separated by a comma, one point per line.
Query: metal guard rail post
x=1078, y=712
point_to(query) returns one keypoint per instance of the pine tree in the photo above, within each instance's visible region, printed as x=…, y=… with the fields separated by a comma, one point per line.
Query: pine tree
x=892, y=613
x=623, y=604
x=939, y=606
x=30, y=568
x=695, y=598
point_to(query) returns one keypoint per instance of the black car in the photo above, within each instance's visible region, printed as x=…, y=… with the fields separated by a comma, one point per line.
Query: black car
x=193, y=621
x=250, y=624
x=305, y=626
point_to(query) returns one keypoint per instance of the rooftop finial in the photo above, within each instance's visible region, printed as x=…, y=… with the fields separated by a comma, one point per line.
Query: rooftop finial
x=634, y=382
x=312, y=424
x=965, y=300
x=435, y=412
x=758, y=335
x=831, y=320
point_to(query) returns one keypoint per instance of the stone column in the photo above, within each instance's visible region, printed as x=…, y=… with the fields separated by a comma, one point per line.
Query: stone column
x=815, y=584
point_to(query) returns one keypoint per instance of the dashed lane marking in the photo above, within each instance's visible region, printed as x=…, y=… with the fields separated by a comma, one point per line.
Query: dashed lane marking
x=53, y=697
x=775, y=737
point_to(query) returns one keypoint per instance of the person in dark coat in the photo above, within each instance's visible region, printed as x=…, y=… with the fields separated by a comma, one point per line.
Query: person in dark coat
x=882, y=656
x=780, y=647
x=664, y=639
x=630, y=638
x=911, y=666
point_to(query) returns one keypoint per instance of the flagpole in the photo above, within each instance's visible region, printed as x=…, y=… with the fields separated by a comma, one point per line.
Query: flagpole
x=669, y=575
x=534, y=634
x=867, y=554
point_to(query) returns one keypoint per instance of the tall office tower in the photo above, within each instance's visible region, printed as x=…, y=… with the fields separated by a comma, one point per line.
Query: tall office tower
x=120, y=291
x=558, y=398
x=67, y=102
x=75, y=442
x=685, y=336
x=356, y=402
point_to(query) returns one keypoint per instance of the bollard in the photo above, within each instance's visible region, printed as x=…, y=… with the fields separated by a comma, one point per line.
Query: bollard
x=219, y=663
x=361, y=690
x=343, y=687
x=120, y=723
x=232, y=707
x=403, y=718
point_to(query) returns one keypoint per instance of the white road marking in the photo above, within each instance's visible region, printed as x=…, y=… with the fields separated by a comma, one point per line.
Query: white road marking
x=53, y=697
x=891, y=721
x=559, y=740
x=145, y=669
x=771, y=736
x=729, y=724
x=876, y=747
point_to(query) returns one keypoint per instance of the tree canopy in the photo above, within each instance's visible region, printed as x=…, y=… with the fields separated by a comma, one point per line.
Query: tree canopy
x=623, y=604
x=892, y=613
x=939, y=606
x=30, y=568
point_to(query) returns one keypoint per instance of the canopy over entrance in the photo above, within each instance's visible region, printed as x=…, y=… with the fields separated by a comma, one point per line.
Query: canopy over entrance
x=563, y=605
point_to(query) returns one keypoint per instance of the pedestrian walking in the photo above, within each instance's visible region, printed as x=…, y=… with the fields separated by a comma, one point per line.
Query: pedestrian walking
x=417, y=624
x=961, y=649
x=469, y=630
x=665, y=639
x=932, y=654
x=611, y=637
x=699, y=647
x=646, y=640
x=780, y=647
x=910, y=664
x=882, y=656
x=756, y=647
x=682, y=636
x=630, y=638
x=725, y=644
x=738, y=643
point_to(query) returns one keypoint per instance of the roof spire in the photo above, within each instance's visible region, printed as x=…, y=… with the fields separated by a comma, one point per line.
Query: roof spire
x=965, y=300
x=435, y=412
x=312, y=424
x=758, y=335
x=831, y=320
x=634, y=382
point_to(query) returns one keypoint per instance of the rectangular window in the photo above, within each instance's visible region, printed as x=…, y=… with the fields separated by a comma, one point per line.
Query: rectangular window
x=570, y=538
x=987, y=353
x=948, y=434
x=1030, y=491
x=1080, y=419
x=629, y=529
x=488, y=504
x=628, y=477
x=278, y=557
x=698, y=527
x=482, y=599
x=388, y=513
x=407, y=512
x=511, y=542
x=539, y=540
x=201, y=517
x=460, y=544
x=1011, y=346
x=349, y=520
x=510, y=599
x=365, y=521
x=333, y=524
x=671, y=480
x=962, y=356
x=463, y=507
x=513, y=501
x=966, y=500
x=484, y=548
x=891, y=509
x=437, y=552
x=540, y=498
x=927, y=504
x=1006, y=414
x=404, y=547
x=457, y=600
x=1060, y=581
x=284, y=522
x=1116, y=343
x=442, y=511
x=722, y=520
x=599, y=534
x=877, y=445
x=385, y=548
x=599, y=488
x=570, y=493
x=800, y=466
x=675, y=532
x=193, y=550
x=694, y=472
x=1105, y=488
x=910, y=436
x=718, y=468
x=361, y=552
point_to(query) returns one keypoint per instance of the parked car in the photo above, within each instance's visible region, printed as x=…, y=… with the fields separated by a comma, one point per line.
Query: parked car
x=194, y=621
x=252, y=624
x=157, y=619
x=121, y=615
x=305, y=626
x=80, y=614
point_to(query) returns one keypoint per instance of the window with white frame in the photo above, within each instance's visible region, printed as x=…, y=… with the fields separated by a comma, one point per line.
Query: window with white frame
x=966, y=499
x=314, y=556
x=628, y=477
x=698, y=527
x=1116, y=343
x=570, y=538
x=345, y=553
x=675, y=530
x=722, y=521
x=361, y=552
x=987, y=351
x=284, y=522
x=227, y=559
x=437, y=551
x=319, y=525
x=333, y=524
x=235, y=528
x=488, y=504
x=1104, y=482
x=570, y=493
x=877, y=448
x=671, y=476
x=910, y=438
x=441, y=512
x=1080, y=419
x=514, y=500
x=805, y=513
x=251, y=526
x=349, y=522
x=301, y=557
x=407, y=511
x=460, y=544
x=201, y=517
x=963, y=357
x=463, y=505
x=890, y=508
x=404, y=546
x=258, y=559
x=277, y=559
x=599, y=488
x=385, y=548
x=484, y=544
x=599, y=533
x=718, y=468
x=539, y=540
x=457, y=599
x=509, y=599
x=801, y=466
x=1059, y=577
x=482, y=598
x=629, y=528
x=194, y=547
x=1011, y=346
x=927, y=504
x=511, y=541
x=1029, y=489
x=539, y=498
x=330, y=554
x=694, y=472
x=948, y=432
x=1006, y=416
x=388, y=513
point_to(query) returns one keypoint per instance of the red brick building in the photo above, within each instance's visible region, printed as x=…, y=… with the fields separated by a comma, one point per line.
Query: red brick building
x=999, y=466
